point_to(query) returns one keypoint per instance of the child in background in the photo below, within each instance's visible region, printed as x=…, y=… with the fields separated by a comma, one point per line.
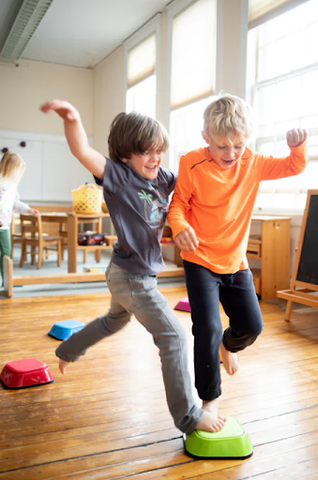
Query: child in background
x=210, y=216
x=136, y=191
x=12, y=168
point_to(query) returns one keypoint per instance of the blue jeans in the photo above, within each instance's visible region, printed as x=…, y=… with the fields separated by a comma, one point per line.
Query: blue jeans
x=138, y=295
x=237, y=295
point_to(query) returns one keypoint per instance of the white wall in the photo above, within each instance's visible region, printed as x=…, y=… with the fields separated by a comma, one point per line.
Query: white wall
x=24, y=88
x=109, y=96
x=51, y=172
x=232, y=20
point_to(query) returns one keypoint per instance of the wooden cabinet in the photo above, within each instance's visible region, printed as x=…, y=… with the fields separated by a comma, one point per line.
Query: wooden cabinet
x=269, y=247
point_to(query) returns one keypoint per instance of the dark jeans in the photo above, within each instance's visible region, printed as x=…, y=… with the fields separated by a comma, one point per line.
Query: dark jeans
x=237, y=295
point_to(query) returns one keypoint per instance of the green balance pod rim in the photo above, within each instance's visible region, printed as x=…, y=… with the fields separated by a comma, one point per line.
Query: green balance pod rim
x=230, y=442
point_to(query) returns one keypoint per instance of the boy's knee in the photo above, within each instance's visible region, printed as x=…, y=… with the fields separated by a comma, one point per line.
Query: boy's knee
x=111, y=323
x=175, y=340
x=253, y=332
x=256, y=327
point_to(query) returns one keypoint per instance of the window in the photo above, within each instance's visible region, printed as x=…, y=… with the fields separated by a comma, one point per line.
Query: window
x=186, y=125
x=193, y=34
x=282, y=77
x=141, y=76
x=142, y=97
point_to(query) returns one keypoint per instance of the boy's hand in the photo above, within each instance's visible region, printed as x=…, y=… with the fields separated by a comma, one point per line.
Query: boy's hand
x=64, y=109
x=187, y=240
x=34, y=212
x=296, y=137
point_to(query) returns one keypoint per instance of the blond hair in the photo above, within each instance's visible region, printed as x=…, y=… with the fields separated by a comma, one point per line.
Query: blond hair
x=135, y=133
x=227, y=114
x=12, y=167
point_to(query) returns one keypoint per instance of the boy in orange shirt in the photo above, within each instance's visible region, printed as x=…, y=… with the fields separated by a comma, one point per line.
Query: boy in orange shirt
x=210, y=216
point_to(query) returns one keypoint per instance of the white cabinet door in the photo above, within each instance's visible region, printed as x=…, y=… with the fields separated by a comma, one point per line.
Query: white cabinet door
x=30, y=187
x=52, y=172
x=62, y=172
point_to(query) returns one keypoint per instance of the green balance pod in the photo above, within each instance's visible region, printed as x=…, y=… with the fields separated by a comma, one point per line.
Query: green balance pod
x=230, y=442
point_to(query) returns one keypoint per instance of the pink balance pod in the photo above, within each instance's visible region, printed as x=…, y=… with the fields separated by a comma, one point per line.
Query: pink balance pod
x=183, y=305
x=28, y=372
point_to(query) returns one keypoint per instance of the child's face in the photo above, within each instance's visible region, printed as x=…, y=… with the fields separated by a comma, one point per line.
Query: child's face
x=226, y=151
x=145, y=164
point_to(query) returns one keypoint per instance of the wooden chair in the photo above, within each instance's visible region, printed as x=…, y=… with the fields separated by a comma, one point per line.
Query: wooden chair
x=33, y=236
x=15, y=236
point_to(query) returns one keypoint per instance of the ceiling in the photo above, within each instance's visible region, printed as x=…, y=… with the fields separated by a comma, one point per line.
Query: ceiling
x=80, y=33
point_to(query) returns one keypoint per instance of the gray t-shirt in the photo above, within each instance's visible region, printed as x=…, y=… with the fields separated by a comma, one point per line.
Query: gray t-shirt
x=138, y=209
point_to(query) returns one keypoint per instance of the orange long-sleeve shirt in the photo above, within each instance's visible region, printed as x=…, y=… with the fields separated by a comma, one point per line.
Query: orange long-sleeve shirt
x=218, y=203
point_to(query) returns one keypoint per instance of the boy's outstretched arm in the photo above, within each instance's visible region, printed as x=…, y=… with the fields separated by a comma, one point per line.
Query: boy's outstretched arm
x=76, y=136
x=268, y=167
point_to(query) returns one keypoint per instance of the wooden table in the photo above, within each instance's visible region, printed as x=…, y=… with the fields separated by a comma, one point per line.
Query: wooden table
x=73, y=219
x=54, y=217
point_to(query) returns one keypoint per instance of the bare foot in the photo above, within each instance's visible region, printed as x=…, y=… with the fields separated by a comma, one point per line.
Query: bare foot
x=229, y=360
x=211, y=421
x=62, y=366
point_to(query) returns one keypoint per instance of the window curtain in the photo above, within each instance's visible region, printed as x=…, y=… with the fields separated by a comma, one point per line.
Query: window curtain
x=261, y=11
x=141, y=61
x=193, y=53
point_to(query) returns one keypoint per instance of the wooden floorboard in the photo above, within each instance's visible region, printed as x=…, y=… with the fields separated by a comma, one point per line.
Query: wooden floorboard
x=107, y=417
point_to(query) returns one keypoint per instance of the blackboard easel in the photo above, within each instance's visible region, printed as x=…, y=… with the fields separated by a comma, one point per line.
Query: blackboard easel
x=304, y=283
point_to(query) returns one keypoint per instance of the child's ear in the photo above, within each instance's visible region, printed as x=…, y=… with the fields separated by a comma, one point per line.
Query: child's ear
x=124, y=160
x=204, y=137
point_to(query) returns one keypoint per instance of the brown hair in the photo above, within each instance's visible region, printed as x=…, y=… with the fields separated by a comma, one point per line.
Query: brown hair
x=135, y=133
x=12, y=166
x=227, y=114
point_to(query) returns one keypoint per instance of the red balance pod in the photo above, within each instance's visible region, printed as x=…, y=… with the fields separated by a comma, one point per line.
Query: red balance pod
x=28, y=372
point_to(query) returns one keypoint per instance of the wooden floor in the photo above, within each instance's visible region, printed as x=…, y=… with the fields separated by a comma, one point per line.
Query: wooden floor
x=108, y=419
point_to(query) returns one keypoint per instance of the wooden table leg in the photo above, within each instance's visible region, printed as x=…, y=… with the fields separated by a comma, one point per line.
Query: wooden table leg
x=8, y=275
x=33, y=250
x=289, y=308
x=177, y=257
x=72, y=243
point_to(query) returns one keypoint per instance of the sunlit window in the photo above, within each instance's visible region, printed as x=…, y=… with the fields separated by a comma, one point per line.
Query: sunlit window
x=142, y=97
x=141, y=77
x=186, y=125
x=192, y=75
x=283, y=79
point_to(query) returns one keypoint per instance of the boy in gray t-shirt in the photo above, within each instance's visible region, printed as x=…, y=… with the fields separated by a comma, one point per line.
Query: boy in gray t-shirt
x=136, y=190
